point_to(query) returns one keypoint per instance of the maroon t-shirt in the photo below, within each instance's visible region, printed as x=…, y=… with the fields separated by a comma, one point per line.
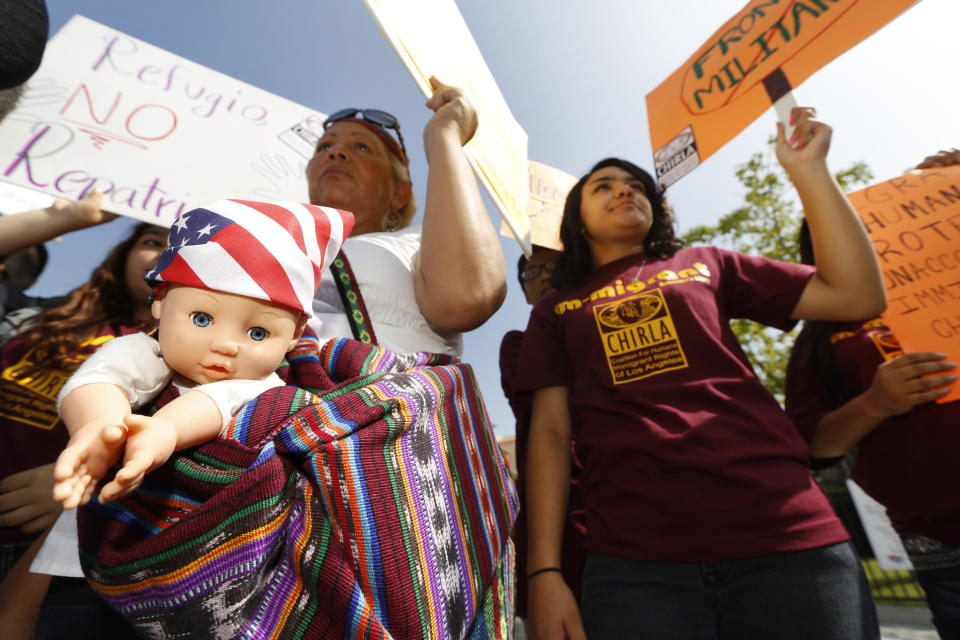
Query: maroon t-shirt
x=686, y=457
x=909, y=462
x=31, y=433
x=571, y=550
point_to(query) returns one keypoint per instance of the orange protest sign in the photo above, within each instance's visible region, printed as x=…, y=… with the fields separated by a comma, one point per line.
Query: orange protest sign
x=914, y=223
x=548, y=191
x=753, y=60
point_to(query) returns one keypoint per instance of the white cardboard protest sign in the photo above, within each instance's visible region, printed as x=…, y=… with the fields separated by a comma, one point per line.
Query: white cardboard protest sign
x=431, y=39
x=14, y=199
x=548, y=193
x=157, y=133
x=886, y=544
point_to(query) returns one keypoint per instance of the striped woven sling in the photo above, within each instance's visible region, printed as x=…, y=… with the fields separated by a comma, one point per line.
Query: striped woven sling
x=368, y=501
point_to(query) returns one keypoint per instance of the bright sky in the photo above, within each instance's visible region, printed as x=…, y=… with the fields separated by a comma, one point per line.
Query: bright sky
x=574, y=74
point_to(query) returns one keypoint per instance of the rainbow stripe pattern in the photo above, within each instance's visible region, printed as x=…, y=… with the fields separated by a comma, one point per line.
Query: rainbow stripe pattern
x=367, y=501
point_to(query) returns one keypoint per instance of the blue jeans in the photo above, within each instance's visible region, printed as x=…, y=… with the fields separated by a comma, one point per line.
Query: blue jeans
x=942, y=587
x=819, y=593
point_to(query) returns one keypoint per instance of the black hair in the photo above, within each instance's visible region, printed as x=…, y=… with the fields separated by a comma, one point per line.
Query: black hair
x=22, y=268
x=576, y=261
x=24, y=26
x=103, y=300
x=523, y=260
x=812, y=352
x=521, y=265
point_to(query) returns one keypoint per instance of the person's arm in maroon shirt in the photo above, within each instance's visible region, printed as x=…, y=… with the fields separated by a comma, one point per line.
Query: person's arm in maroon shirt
x=552, y=607
x=898, y=386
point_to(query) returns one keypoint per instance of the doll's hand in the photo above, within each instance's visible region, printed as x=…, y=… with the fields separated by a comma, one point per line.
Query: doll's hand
x=92, y=450
x=150, y=442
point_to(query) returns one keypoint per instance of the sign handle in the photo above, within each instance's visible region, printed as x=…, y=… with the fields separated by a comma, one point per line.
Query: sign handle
x=783, y=106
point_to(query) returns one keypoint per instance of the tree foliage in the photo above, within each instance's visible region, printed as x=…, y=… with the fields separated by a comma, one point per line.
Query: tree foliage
x=767, y=224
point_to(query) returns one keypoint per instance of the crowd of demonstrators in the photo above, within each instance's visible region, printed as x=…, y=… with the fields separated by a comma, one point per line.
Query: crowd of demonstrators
x=850, y=385
x=406, y=290
x=50, y=339
x=665, y=493
x=534, y=276
x=702, y=518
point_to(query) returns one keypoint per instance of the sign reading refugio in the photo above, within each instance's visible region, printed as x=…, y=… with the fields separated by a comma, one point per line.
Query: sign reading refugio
x=156, y=133
x=752, y=61
x=914, y=223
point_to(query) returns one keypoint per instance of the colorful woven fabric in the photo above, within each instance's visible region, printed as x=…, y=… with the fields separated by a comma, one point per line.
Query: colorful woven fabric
x=378, y=508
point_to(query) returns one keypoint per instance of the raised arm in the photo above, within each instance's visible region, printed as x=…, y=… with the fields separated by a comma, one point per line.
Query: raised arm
x=460, y=281
x=553, y=611
x=848, y=284
x=21, y=230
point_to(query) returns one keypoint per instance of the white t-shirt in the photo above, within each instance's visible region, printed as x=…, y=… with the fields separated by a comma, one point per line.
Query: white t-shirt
x=384, y=264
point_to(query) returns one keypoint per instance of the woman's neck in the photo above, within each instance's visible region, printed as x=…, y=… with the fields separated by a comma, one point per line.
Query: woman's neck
x=608, y=253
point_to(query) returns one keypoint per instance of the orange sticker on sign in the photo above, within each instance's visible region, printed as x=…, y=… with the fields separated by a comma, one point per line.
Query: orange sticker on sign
x=755, y=58
x=914, y=224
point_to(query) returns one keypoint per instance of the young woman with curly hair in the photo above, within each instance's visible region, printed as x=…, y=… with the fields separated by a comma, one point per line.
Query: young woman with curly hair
x=36, y=362
x=702, y=519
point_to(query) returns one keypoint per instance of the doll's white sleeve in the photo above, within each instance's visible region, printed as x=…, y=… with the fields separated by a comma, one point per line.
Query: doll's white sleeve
x=131, y=362
x=231, y=395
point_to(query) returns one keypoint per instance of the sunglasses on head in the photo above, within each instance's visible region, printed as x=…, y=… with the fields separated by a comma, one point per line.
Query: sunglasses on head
x=380, y=119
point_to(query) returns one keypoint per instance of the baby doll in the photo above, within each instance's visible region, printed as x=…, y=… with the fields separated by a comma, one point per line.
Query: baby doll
x=231, y=294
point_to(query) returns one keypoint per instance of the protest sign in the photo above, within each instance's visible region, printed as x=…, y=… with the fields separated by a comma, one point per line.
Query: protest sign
x=914, y=224
x=884, y=540
x=754, y=59
x=548, y=188
x=14, y=199
x=431, y=39
x=156, y=133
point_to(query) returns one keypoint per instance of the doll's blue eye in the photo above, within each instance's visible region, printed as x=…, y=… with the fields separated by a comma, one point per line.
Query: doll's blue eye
x=258, y=333
x=201, y=319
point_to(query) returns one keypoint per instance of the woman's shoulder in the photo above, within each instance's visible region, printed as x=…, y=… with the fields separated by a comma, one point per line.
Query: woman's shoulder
x=703, y=251
x=403, y=245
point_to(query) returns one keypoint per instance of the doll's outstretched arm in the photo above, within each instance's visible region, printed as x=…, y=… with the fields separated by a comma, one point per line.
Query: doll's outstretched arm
x=93, y=414
x=191, y=419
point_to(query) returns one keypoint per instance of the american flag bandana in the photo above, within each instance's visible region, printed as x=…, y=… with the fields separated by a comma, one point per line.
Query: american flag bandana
x=273, y=251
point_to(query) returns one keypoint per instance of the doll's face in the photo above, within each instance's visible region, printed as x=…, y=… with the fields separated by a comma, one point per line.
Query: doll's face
x=207, y=336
